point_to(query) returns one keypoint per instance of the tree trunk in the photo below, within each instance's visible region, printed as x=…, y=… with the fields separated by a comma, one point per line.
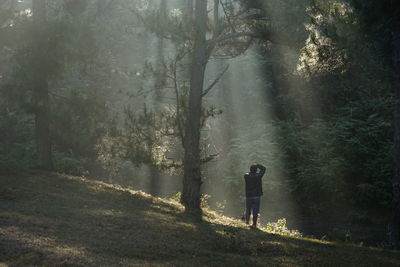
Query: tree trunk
x=192, y=175
x=161, y=75
x=216, y=19
x=395, y=221
x=154, y=187
x=40, y=86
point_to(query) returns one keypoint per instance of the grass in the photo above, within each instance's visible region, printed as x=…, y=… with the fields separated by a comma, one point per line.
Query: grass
x=50, y=219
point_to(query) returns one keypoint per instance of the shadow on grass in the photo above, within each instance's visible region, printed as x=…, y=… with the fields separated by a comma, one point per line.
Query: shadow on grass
x=52, y=219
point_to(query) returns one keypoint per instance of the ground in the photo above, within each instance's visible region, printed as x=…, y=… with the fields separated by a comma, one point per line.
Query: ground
x=50, y=219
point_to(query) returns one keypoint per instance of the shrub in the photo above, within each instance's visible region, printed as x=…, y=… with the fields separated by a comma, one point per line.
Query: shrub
x=17, y=147
x=279, y=227
x=68, y=164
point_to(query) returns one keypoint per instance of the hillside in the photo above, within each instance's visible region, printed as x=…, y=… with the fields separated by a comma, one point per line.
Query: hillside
x=49, y=219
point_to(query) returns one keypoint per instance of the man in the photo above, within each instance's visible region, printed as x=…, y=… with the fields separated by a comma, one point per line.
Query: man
x=253, y=192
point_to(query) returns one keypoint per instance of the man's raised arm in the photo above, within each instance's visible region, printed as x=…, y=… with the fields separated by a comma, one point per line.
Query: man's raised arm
x=262, y=170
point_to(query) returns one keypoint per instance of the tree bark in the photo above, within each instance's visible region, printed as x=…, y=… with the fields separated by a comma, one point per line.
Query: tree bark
x=395, y=220
x=189, y=7
x=40, y=86
x=154, y=187
x=216, y=19
x=192, y=174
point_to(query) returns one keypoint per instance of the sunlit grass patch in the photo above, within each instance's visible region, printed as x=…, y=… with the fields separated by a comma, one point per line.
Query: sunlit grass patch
x=216, y=218
x=279, y=227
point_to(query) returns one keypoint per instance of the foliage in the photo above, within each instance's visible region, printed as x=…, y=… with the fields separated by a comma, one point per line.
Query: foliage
x=220, y=206
x=66, y=163
x=80, y=120
x=279, y=227
x=110, y=151
x=149, y=137
x=338, y=236
x=79, y=117
x=334, y=122
x=17, y=148
x=314, y=164
x=204, y=198
x=176, y=196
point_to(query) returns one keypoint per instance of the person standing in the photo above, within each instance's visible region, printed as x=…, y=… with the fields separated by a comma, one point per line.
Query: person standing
x=253, y=192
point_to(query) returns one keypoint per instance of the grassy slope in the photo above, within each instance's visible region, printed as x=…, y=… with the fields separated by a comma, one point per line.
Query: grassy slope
x=52, y=219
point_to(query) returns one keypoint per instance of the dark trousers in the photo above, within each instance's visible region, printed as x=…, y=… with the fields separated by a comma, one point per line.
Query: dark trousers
x=253, y=205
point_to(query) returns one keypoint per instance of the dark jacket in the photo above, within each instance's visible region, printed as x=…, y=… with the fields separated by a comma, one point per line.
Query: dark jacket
x=253, y=182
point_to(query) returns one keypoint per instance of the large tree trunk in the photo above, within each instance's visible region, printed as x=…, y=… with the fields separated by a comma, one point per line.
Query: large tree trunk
x=40, y=86
x=395, y=221
x=192, y=175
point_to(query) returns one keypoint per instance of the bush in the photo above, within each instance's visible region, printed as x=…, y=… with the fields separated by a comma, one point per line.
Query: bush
x=68, y=164
x=176, y=196
x=17, y=147
x=279, y=227
x=338, y=235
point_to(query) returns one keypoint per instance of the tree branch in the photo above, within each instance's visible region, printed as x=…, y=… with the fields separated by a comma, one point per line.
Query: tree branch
x=158, y=30
x=208, y=158
x=267, y=37
x=178, y=103
x=227, y=17
x=235, y=35
x=215, y=81
x=216, y=18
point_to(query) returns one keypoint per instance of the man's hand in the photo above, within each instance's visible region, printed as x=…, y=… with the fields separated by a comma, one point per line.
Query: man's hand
x=262, y=169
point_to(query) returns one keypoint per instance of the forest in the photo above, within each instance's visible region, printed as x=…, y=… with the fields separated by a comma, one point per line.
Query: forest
x=129, y=131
